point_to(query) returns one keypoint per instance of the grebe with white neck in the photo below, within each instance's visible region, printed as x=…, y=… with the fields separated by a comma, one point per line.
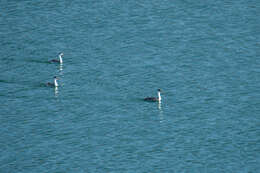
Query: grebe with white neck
x=155, y=99
x=60, y=59
x=55, y=83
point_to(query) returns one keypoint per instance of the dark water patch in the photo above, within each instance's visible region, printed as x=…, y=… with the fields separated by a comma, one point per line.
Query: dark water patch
x=39, y=61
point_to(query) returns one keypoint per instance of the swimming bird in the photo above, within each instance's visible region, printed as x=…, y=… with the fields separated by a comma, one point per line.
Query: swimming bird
x=55, y=84
x=58, y=61
x=154, y=99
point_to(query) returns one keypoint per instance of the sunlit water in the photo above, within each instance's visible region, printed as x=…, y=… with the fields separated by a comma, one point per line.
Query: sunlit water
x=203, y=55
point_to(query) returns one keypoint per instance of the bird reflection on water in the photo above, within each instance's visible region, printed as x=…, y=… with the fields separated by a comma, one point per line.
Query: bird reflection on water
x=56, y=91
x=160, y=112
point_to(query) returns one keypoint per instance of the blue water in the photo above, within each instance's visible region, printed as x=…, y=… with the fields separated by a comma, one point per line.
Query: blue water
x=203, y=55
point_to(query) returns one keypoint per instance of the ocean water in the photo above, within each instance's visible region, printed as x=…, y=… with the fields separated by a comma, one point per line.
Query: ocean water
x=203, y=55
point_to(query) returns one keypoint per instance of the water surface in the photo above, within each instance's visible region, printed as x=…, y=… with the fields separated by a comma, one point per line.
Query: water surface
x=204, y=55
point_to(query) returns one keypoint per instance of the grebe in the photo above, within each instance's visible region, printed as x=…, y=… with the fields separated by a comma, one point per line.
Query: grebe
x=55, y=84
x=154, y=99
x=60, y=59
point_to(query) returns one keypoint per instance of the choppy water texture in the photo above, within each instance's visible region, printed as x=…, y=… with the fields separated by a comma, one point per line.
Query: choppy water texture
x=204, y=55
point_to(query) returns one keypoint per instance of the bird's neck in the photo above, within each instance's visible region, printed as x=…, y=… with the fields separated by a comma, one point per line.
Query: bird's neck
x=60, y=58
x=159, y=96
x=56, y=83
